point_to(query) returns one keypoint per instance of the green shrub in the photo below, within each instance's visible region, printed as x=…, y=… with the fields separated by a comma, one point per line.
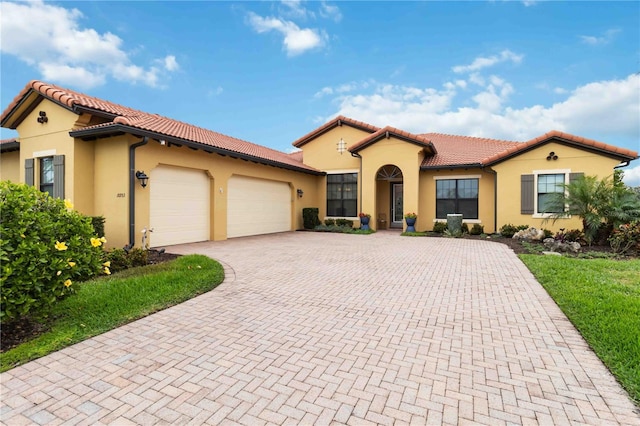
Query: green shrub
x=573, y=235
x=439, y=227
x=547, y=234
x=45, y=247
x=477, y=229
x=310, y=217
x=509, y=230
x=464, y=228
x=345, y=223
x=626, y=238
x=120, y=259
x=98, y=225
x=329, y=222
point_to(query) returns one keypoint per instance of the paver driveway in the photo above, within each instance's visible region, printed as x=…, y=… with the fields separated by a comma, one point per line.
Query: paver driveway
x=317, y=328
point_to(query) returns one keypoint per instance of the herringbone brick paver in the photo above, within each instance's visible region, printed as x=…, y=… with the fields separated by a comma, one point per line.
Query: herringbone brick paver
x=335, y=329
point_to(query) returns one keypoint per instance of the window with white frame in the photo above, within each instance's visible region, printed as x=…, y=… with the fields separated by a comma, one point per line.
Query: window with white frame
x=547, y=186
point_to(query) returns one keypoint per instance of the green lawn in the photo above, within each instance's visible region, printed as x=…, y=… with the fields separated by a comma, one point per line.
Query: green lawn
x=109, y=302
x=601, y=297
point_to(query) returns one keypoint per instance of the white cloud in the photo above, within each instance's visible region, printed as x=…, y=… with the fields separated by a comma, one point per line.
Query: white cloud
x=605, y=38
x=294, y=9
x=296, y=40
x=560, y=91
x=528, y=3
x=51, y=39
x=482, y=62
x=170, y=63
x=330, y=11
x=609, y=109
x=632, y=176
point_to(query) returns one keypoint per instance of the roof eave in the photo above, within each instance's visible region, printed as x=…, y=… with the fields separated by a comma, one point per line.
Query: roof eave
x=452, y=166
x=327, y=127
x=10, y=146
x=605, y=152
x=397, y=136
x=112, y=129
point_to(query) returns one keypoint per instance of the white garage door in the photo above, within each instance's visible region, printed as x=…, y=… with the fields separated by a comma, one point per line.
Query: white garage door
x=179, y=210
x=257, y=206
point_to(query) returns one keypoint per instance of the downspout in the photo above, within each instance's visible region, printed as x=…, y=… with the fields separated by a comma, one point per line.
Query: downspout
x=495, y=197
x=132, y=189
x=355, y=154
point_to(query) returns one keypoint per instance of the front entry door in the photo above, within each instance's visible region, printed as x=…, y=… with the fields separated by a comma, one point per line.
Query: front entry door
x=396, y=204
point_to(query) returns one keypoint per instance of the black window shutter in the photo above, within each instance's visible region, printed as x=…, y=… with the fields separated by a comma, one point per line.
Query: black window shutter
x=58, y=176
x=28, y=171
x=527, y=194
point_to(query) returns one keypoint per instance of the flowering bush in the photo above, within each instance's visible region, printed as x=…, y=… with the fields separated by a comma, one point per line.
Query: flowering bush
x=626, y=239
x=367, y=215
x=410, y=216
x=45, y=248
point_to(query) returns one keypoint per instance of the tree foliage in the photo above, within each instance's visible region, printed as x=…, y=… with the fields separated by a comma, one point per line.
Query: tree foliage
x=600, y=203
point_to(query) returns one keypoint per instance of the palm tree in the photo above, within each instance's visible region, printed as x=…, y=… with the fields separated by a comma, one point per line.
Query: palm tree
x=597, y=202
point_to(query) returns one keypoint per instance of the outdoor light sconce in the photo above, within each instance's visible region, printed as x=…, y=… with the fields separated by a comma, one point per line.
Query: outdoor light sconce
x=42, y=117
x=143, y=178
x=552, y=156
x=342, y=146
x=300, y=193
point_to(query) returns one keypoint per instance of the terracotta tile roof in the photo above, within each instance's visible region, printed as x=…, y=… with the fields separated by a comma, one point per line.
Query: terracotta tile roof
x=297, y=155
x=614, y=151
x=457, y=151
x=338, y=121
x=386, y=131
x=128, y=119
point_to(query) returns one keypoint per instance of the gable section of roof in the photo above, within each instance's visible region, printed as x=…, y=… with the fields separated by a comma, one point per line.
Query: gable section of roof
x=123, y=119
x=602, y=148
x=386, y=133
x=338, y=121
x=456, y=151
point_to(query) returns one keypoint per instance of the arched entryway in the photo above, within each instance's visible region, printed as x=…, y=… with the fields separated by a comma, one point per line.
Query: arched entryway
x=389, y=197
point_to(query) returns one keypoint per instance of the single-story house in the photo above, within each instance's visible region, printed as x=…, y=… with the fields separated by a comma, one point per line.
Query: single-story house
x=188, y=184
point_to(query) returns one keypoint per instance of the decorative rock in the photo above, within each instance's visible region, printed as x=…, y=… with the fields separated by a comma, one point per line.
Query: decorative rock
x=529, y=234
x=559, y=246
x=551, y=253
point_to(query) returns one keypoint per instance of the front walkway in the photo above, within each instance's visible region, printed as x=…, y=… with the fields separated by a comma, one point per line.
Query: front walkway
x=318, y=328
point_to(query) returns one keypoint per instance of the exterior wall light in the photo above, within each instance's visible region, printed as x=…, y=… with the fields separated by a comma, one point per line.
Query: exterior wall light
x=42, y=117
x=300, y=193
x=143, y=178
x=342, y=146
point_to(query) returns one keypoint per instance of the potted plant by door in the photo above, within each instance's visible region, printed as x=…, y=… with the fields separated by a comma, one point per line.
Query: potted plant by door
x=410, y=218
x=364, y=221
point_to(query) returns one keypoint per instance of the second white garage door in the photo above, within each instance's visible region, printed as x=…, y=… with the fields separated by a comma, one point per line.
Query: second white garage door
x=257, y=206
x=179, y=209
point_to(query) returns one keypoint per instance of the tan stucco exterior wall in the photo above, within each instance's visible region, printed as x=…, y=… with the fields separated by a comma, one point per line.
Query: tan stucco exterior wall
x=10, y=166
x=404, y=155
x=322, y=154
x=486, y=191
x=570, y=160
x=219, y=169
x=50, y=138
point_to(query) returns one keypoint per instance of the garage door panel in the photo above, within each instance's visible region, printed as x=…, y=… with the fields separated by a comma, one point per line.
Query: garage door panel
x=180, y=205
x=257, y=206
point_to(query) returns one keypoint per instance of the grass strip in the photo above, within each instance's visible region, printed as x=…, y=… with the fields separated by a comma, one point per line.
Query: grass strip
x=105, y=303
x=601, y=297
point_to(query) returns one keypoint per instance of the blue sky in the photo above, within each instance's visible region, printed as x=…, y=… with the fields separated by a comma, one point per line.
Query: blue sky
x=269, y=72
